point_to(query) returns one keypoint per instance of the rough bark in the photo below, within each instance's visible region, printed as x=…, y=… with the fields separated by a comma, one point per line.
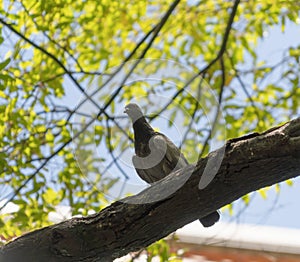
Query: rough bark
x=250, y=163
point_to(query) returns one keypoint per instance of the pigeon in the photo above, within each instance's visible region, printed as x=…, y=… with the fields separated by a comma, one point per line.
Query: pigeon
x=156, y=155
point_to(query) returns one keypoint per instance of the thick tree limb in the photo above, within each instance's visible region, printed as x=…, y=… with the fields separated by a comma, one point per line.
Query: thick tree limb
x=250, y=163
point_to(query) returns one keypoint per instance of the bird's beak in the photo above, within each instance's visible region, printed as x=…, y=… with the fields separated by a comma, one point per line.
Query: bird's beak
x=125, y=110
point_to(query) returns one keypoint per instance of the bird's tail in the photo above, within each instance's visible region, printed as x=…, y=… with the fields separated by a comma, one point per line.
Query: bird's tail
x=210, y=219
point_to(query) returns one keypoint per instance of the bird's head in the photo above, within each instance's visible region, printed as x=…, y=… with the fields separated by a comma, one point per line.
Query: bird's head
x=133, y=111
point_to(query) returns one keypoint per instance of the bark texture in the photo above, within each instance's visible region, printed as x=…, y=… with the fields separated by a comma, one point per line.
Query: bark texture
x=249, y=163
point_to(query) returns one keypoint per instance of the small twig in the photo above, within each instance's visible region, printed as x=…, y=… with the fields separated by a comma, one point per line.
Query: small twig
x=194, y=112
x=205, y=144
x=110, y=149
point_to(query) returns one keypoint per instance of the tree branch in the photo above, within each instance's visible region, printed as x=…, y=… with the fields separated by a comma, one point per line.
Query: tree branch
x=250, y=163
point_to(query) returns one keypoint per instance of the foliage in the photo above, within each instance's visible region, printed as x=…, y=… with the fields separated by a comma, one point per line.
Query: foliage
x=162, y=250
x=54, y=52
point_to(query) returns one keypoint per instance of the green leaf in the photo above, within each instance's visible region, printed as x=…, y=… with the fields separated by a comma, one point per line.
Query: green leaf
x=246, y=199
x=4, y=63
x=263, y=193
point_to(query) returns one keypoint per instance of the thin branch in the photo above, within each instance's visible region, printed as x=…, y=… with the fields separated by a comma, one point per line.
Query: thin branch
x=88, y=97
x=53, y=57
x=244, y=88
x=110, y=164
x=47, y=159
x=218, y=110
x=155, y=30
x=155, y=34
x=194, y=112
x=50, y=39
x=110, y=149
x=119, y=68
x=212, y=62
x=75, y=73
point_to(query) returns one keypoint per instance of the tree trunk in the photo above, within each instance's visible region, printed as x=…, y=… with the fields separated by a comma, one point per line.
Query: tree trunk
x=249, y=163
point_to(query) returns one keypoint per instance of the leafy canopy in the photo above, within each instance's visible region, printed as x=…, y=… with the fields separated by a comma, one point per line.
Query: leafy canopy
x=54, y=53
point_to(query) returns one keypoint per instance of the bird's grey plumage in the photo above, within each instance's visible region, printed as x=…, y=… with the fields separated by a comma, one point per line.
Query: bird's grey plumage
x=156, y=155
x=156, y=158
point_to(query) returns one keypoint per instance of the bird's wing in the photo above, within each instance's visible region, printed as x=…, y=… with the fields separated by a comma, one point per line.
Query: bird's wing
x=136, y=161
x=174, y=158
x=149, y=175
